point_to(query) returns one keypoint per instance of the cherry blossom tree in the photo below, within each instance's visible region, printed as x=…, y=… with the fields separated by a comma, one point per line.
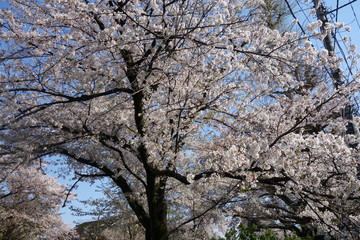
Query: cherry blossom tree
x=183, y=104
x=113, y=218
x=29, y=201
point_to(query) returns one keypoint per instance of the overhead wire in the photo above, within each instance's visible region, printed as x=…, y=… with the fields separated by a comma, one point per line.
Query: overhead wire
x=294, y=16
x=354, y=106
x=355, y=99
x=356, y=18
x=340, y=44
x=337, y=10
x=342, y=6
x=340, y=48
x=306, y=15
x=332, y=13
x=299, y=24
x=303, y=11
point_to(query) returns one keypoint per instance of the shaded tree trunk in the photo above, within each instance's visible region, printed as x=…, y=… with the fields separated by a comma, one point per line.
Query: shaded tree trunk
x=157, y=229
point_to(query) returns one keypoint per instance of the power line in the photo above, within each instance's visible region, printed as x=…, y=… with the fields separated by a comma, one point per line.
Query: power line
x=348, y=110
x=343, y=55
x=342, y=52
x=294, y=16
x=303, y=11
x=337, y=8
x=301, y=27
x=356, y=19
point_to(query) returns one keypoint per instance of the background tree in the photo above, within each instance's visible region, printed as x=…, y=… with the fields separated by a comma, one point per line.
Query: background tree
x=29, y=204
x=113, y=219
x=276, y=14
x=182, y=104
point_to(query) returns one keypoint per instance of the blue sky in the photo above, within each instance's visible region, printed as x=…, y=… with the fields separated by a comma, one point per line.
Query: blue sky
x=83, y=191
x=346, y=15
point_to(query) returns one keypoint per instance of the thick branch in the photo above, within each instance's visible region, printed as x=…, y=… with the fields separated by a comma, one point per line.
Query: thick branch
x=119, y=181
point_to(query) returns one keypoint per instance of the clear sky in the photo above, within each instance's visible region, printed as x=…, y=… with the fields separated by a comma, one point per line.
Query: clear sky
x=83, y=191
x=347, y=15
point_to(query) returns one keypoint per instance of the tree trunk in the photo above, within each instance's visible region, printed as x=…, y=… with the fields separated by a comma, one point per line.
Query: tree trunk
x=157, y=210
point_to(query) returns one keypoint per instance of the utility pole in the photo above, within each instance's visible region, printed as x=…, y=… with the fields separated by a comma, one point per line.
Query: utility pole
x=347, y=112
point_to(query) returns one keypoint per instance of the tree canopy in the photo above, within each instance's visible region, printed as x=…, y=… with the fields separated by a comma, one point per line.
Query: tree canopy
x=198, y=107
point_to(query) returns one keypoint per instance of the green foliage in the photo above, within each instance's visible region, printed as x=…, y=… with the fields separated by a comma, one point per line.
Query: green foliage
x=275, y=13
x=244, y=232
